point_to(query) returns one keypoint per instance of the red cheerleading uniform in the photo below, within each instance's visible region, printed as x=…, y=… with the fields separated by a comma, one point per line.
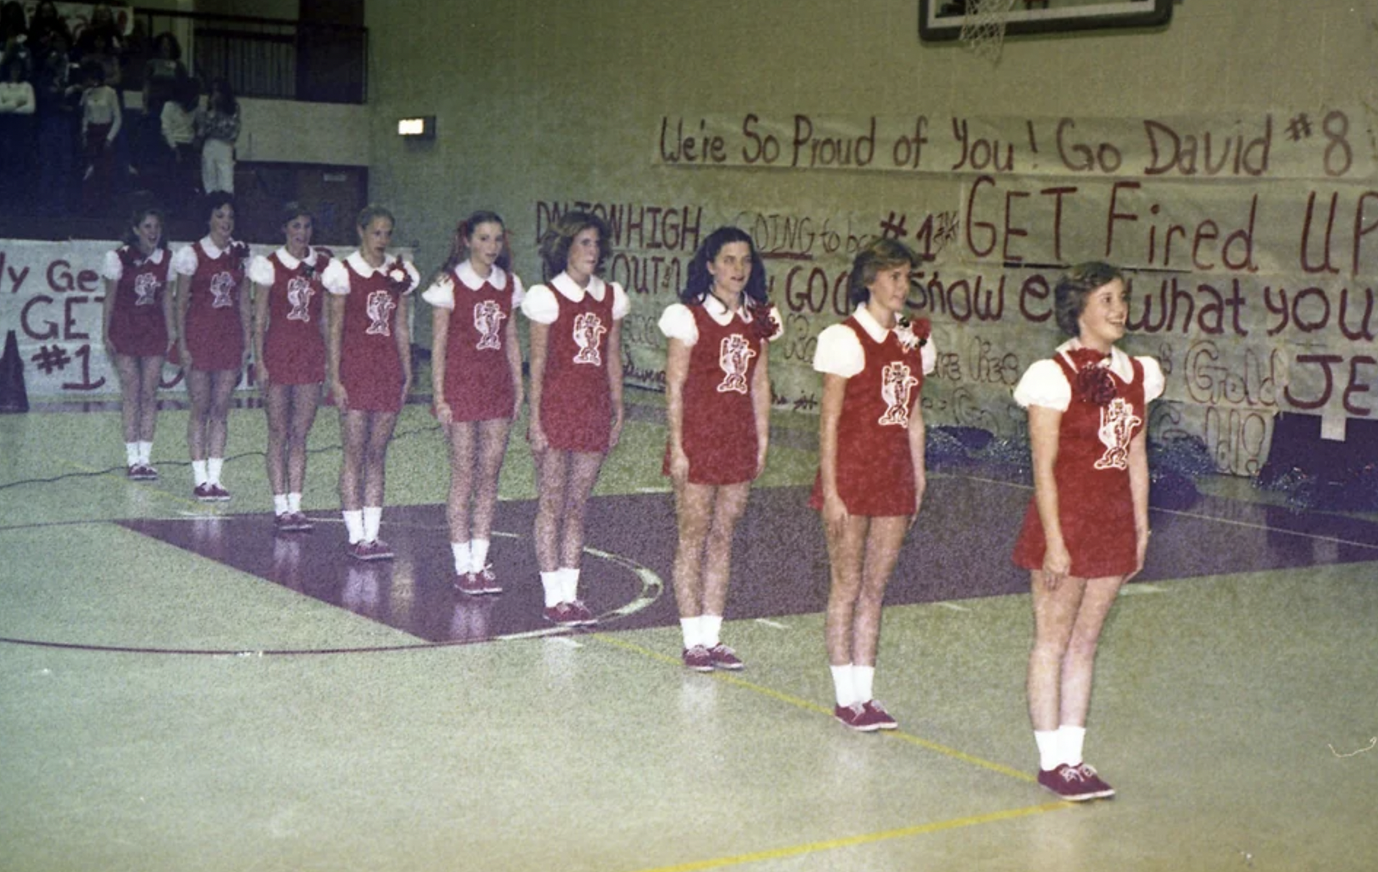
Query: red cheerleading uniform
x=215, y=334
x=576, y=402
x=138, y=324
x=875, y=473
x=293, y=346
x=718, y=428
x=1095, y=506
x=369, y=364
x=478, y=375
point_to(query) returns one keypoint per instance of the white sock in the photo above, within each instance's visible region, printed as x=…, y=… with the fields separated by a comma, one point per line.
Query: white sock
x=198, y=472
x=294, y=503
x=280, y=504
x=463, y=560
x=145, y=452
x=690, y=628
x=863, y=678
x=213, y=468
x=373, y=520
x=554, y=591
x=1070, y=741
x=478, y=553
x=1049, y=750
x=569, y=583
x=131, y=453
x=711, y=627
x=354, y=525
x=842, y=684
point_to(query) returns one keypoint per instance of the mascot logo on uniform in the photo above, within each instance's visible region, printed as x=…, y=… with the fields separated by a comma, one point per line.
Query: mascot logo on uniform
x=379, y=308
x=734, y=358
x=488, y=317
x=1117, y=423
x=897, y=382
x=299, y=293
x=588, y=330
x=146, y=289
x=222, y=290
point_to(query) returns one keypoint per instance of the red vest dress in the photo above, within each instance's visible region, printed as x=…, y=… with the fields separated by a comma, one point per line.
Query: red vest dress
x=576, y=404
x=1095, y=507
x=478, y=376
x=875, y=473
x=138, y=325
x=293, y=346
x=370, y=367
x=215, y=334
x=718, y=429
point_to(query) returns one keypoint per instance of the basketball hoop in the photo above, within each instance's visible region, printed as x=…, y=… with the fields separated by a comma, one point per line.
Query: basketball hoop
x=983, y=27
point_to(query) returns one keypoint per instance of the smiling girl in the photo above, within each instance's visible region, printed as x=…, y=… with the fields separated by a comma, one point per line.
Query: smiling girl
x=1085, y=531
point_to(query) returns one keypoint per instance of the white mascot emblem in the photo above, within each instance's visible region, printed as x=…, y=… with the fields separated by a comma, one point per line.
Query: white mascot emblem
x=380, y=306
x=734, y=358
x=222, y=290
x=588, y=330
x=1117, y=423
x=146, y=289
x=896, y=383
x=488, y=317
x=299, y=293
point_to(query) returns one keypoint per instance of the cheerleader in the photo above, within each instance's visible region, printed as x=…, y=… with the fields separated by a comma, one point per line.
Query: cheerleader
x=289, y=353
x=368, y=354
x=1086, y=530
x=476, y=377
x=871, y=474
x=137, y=326
x=213, y=320
x=576, y=398
x=718, y=397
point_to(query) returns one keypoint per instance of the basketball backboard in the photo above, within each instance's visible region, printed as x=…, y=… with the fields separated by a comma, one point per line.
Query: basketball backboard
x=941, y=20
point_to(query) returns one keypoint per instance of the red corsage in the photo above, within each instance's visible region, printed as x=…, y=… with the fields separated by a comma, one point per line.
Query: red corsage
x=913, y=334
x=764, y=325
x=1094, y=383
x=398, y=278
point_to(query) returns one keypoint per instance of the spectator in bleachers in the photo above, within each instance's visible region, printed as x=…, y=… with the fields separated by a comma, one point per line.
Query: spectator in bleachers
x=178, y=125
x=16, y=131
x=161, y=73
x=102, y=23
x=46, y=25
x=14, y=35
x=57, y=95
x=101, y=50
x=217, y=126
x=101, y=120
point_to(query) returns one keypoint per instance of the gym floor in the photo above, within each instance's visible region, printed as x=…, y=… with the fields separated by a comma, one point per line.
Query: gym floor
x=182, y=690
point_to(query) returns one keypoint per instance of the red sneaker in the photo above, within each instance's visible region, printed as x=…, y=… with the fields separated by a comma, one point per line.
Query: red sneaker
x=724, y=657
x=149, y=473
x=698, y=659
x=380, y=550
x=219, y=494
x=486, y=580
x=204, y=493
x=1074, y=783
x=358, y=550
x=301, y=523
x=469, y=583
x=561, y=614
x=876, y=714
x=582, y=616
x=854, y=716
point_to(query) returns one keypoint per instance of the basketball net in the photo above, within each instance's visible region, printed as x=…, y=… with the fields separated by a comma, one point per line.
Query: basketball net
x=983, y=27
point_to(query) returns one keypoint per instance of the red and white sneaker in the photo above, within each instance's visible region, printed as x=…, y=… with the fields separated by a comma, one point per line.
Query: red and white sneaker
x=562, y=615
x=219, y=494
x=380, y=550
x=358, y=550
x=469, y=583
x=283, y=523
x=204, y=493
x=854, y=716
x=485, y=580
x=875, y=713
x=583, y=616
x=149, y=472
x=724, y=657
x=698, y=659
x=301, y=523
x=1075, y=783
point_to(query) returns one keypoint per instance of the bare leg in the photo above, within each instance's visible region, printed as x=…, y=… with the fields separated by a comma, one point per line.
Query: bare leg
x=199, y=395
x=218, y=414
x=883, y=543
x=583, y=474
x=150, y=373
x=1055, y=614
x=127, y=368
x=492, y=451
x=694, y=514
x=462, y=435
x=353, y=435
x=380, y=429
x=550, y=477
x=278, y=405
x=306, y=399
x=1079, y=661
x=845, y=554
x=728, y=508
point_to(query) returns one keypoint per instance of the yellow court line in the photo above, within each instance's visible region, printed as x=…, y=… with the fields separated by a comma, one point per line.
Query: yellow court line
x=797, y=702
x=863, y=839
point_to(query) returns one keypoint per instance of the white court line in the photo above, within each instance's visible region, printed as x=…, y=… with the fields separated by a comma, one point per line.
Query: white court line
x=1131, y=589
x=954, y=607
x=773, y=624
x=565, y=640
